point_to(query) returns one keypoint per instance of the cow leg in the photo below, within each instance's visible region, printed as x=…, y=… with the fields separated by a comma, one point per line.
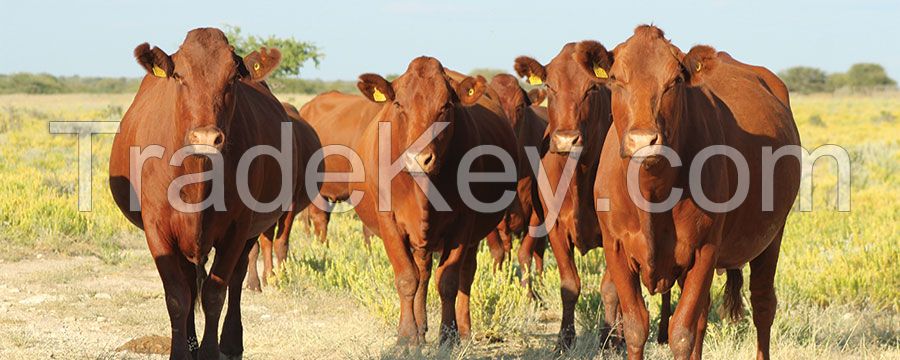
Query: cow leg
x=762, y=295
x=232, y=340
x=189, y=270
x=466, y=276
x=524, y=255
x=423, y=262
x=532, y=248
x=495, y=244
x=506, y=239
x=283, y=236
x=212, y=296
x=448, y=286
x=665, y=311
x=177, y=288
x=367, y=237
x=253, y=275
x=700, y=330
x=688, y=317
x=537, y=253
x=634, y=315
x=320, y=218
x=406, y=280
x=570, y=287
x=612, y=312
x=265, y=247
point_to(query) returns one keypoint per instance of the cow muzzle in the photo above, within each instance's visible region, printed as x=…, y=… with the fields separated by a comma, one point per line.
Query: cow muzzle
x=209, y=137
x=420, y=163
x=565, y=141
x=638, y=144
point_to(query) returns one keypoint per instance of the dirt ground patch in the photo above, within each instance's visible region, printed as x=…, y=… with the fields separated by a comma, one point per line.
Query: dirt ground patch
x=79, y=307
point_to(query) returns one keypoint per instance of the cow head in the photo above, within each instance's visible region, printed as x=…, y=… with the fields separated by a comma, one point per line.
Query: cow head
x=574, y=82
x=207, y=73
x=419, y=98
x=513, y=99
x=649, y=82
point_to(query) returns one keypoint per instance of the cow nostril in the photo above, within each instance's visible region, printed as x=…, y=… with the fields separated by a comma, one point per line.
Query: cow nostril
x=654, y=140
x=576, y=140
x=219, y=139
x=428, y=159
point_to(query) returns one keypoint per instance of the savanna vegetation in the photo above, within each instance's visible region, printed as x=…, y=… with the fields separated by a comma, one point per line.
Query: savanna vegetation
x=837, y=280
x=860, y=78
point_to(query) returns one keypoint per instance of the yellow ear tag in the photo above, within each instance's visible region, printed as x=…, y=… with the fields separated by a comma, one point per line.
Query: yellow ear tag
x=599, y=72
x=256, y=67
x=158, y=71
x=534, y=80
x=471, y=92
x=378, y=96
x=699, y=66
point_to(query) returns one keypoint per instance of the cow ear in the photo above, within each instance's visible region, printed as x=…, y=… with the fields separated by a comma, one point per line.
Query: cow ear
x=375, y=88
x=470, y=89
x=698, y=62
x=155, y=61
x=593, y=58
x=262, y=63
x=531, y=70
x=537, y=96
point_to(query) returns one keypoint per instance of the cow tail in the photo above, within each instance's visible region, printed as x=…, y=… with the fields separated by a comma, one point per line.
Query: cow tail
x=201, y=278
x=734, y=303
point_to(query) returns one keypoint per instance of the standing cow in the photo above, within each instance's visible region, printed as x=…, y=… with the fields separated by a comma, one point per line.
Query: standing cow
x=276, y=237
x=340, y=120
x=723, y=213
x=206, y=97
x=529, y=122
x=411, y=225
x=579, y=117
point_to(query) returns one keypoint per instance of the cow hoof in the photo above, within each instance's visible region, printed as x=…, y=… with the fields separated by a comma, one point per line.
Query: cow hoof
x=610, y=339
x=230, y=357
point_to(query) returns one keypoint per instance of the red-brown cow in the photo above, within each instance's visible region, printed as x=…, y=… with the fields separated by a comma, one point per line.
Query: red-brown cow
x=689, y=103
x=205, y=97
x=411, y=225
x=529, y=121
x=277, y=236
x=579, y=118
x=340, y=120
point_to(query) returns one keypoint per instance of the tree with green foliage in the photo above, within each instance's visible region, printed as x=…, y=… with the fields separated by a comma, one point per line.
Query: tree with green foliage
x=805, y=79
x=864, y=75
x=294, y=53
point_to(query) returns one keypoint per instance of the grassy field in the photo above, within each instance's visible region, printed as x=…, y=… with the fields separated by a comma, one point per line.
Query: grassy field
x=838, y=280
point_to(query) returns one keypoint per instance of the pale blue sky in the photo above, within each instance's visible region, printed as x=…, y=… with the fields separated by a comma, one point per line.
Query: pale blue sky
x=96, y=37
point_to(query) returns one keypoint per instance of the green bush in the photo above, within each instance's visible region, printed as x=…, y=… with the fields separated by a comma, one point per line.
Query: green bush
x=860, y=78
x=804, y=79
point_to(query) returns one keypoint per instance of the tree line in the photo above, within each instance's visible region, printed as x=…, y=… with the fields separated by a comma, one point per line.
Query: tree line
x=861, y=77
x=296, y=54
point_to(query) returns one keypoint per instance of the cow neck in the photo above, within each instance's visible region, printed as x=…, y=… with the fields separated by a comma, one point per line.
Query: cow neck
x=696, y=129
x=596, y=125
x=423, y=206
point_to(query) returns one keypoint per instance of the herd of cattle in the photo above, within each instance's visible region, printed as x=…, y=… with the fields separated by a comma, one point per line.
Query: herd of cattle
x=606, y=109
